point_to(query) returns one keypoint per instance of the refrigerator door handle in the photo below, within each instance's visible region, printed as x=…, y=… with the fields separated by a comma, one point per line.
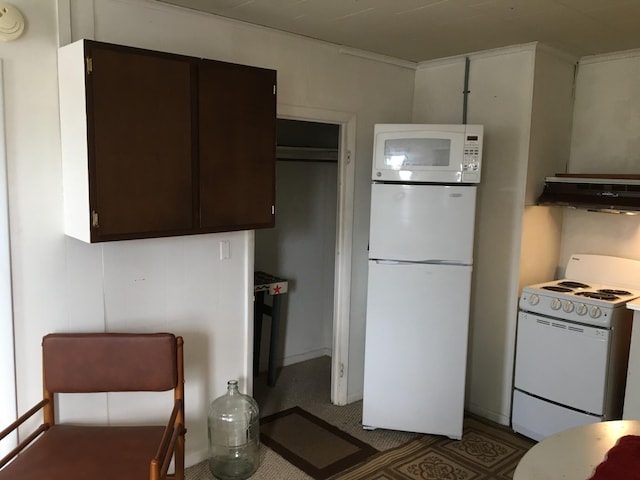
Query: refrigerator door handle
x=445, y=262
x=428, y=262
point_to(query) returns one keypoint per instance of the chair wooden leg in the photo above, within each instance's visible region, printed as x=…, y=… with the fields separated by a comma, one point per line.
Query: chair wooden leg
x=179, y=458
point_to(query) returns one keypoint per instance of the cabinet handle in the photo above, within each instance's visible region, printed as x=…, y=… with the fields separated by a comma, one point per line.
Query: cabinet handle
x=94, y=219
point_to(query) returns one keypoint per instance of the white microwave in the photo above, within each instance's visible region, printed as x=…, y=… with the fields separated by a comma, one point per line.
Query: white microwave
x=427, y=153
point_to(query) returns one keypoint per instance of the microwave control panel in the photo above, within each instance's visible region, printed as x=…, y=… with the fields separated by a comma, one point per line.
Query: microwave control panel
x=472, y=154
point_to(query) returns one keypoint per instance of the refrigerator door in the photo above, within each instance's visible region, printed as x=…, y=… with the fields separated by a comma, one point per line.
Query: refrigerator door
x=422, y=223
x=416, y=347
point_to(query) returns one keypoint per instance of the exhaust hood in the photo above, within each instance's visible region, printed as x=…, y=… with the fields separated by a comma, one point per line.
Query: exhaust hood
x=601, y=193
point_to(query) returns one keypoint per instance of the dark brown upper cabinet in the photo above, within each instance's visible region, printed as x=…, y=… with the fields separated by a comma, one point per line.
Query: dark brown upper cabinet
x=236, y=120
x=157, y=144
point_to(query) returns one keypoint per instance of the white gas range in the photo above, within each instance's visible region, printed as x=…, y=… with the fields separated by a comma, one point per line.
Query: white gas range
x=572, y=346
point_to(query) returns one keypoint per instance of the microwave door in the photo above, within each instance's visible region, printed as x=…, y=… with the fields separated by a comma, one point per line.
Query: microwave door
x=407, y=153
x=418, y=157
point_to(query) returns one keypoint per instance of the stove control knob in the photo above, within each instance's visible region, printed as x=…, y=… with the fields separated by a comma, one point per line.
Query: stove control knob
x=534, y=299
x=581, y=309
x=567, y=306
x=556, y=304
x=595, y=312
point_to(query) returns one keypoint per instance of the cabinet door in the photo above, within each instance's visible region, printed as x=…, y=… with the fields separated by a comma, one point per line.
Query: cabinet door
x=237, y=137
x=139, y=107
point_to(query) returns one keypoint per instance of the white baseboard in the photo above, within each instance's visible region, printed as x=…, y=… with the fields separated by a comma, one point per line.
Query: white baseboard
x=193, y=458
x=302, y=357
x=354, y=397
x=488, y=414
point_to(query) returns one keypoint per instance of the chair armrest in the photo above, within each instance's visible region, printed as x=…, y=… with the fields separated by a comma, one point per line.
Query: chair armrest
x=174, y=429
x=23, y=444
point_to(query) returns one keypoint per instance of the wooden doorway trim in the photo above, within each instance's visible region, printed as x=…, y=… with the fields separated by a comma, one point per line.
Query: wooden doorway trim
x=344, y=237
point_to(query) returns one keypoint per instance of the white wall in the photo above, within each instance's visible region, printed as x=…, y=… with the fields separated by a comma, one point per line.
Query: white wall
x=502, y=102
x=35, y=193
x=551, y=117
x=310, y=74
x=177, y=284
x=532, y=244
x=501, y=84
x=7, y=364
x=605, y=139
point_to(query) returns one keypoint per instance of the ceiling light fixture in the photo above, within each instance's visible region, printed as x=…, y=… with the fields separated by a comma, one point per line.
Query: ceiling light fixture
x=11, y=22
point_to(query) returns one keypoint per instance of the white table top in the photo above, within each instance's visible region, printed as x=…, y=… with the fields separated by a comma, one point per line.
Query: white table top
x=573, y=454
x=634, y=304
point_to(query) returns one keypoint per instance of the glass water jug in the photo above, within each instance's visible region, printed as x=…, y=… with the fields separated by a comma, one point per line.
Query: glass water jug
x=234, y=435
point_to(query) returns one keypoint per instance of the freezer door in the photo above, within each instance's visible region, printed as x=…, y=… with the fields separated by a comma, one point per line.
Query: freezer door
x=422, y=222
x=416, y=347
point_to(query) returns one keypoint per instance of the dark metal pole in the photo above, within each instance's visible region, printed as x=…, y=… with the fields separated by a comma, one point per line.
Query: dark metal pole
x=465, y=92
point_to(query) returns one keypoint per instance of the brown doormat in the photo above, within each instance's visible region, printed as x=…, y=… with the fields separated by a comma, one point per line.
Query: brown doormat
x=486, y=451
x=311, y=444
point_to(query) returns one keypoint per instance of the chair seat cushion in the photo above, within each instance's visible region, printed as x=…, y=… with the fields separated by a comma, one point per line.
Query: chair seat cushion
x=86, y=452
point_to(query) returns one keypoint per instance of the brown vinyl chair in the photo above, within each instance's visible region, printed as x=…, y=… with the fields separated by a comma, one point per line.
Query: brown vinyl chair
x=103, y=362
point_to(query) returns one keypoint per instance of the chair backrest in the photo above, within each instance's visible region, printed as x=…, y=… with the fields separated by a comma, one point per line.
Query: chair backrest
x=109, y=362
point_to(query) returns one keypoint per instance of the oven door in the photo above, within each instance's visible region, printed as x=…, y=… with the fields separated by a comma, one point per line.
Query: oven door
x=562, y=362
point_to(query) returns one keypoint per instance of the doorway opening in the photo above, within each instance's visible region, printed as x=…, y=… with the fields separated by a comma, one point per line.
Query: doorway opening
x=311, y=243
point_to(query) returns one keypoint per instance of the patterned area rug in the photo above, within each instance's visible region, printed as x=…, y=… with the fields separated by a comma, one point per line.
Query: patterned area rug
x=311, y=444
x=485, y=452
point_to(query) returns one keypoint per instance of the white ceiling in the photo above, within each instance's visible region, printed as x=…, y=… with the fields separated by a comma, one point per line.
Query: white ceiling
x=419, y=30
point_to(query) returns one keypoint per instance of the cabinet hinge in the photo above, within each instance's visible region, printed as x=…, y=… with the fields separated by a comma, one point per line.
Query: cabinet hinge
x=94, y=219
x=89, y=61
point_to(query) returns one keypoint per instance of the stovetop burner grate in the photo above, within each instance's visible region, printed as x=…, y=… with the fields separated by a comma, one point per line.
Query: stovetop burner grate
x=571, y=284
x=613, y=291
x=555, y=288
x=599, y=295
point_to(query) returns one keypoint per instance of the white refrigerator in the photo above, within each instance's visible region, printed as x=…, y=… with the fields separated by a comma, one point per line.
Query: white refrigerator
x=420, y=261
